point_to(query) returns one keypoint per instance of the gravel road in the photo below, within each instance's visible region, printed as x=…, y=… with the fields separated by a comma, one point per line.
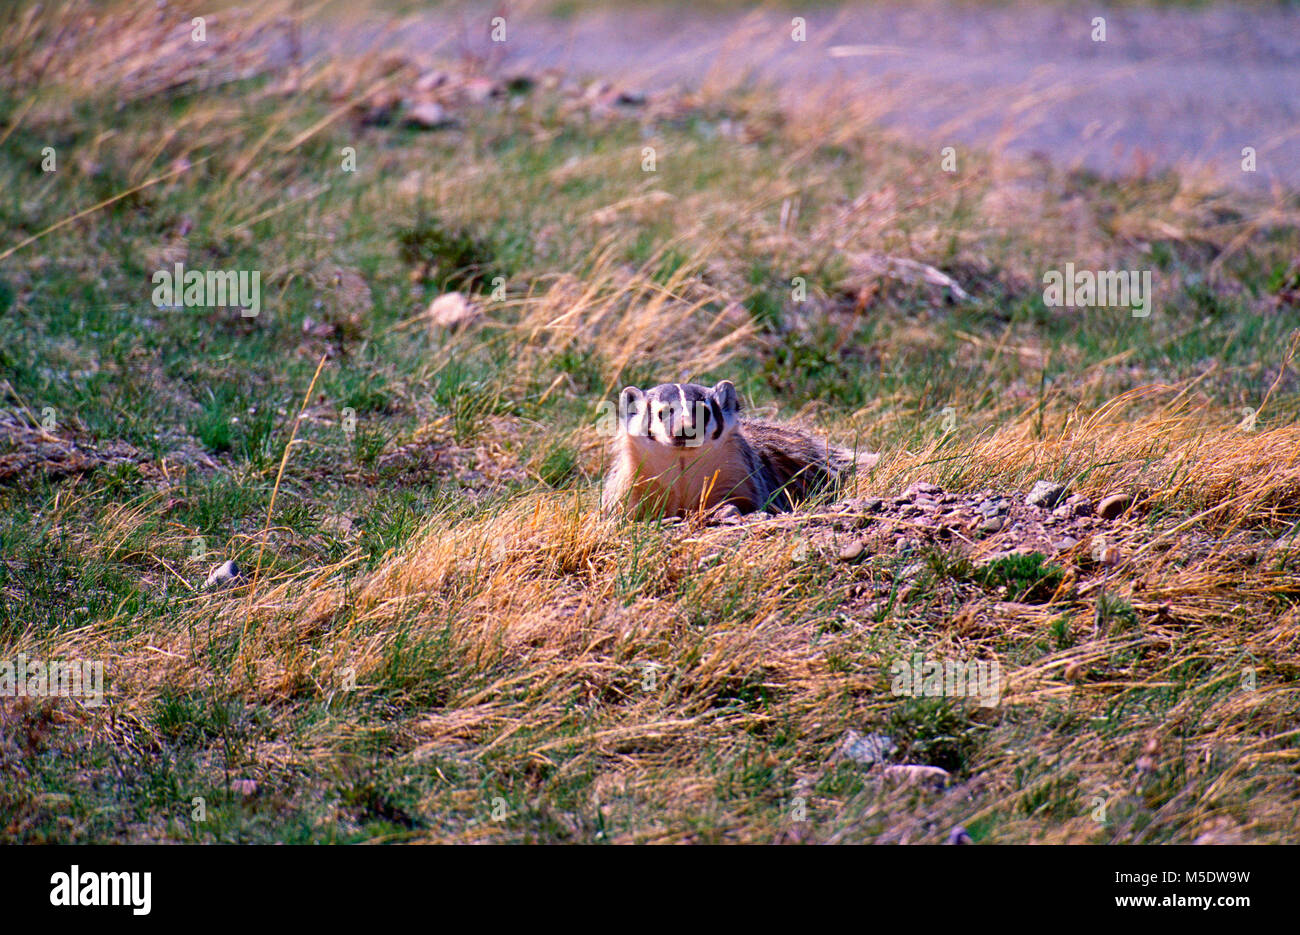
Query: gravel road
x=1168, y=87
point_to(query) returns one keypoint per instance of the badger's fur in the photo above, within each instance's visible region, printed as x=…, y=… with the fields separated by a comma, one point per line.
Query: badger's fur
x=682, y=447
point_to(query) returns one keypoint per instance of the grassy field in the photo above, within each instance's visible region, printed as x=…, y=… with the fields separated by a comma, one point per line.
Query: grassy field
x=436, y=638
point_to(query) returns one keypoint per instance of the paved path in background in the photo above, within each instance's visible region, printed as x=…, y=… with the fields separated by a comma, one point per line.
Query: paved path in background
x=1168, y=87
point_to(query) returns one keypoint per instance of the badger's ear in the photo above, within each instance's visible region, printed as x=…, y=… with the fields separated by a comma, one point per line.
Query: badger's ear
x=724, y=393
x=630, y=400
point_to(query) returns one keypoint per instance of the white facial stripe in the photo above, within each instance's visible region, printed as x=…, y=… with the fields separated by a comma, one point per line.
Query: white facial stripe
x=682, y=423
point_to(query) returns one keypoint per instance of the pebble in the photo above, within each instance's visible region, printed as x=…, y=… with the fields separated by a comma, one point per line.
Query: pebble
x=428, y=115
x=222, y=574
x=1114, y=505
x=728, y=515
x=909, y=773
x=1045, y=494
x=922, y=489
x=853, y=552
x=991, y=525
x=866, y=750
x=1078, y=505
x=995, y=506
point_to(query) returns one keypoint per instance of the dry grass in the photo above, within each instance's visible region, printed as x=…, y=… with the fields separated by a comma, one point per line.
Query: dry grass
x=548, y=624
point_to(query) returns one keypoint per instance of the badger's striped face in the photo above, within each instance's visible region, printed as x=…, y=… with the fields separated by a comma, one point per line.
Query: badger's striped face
x=680, y=415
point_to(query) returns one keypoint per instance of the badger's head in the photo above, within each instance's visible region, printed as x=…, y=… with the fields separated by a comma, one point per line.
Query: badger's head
x=680, y=415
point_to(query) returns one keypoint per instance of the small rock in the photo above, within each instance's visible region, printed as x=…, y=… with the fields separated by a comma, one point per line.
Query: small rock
x=427, y=115
x=480, y=89
x=853, y=552
x=1045, y=494
x=865, y=750
x=1079, y=505
x=317, y=329
x=597, y=90
x=222, y=574
x=959, y=835
x=922, y=489
x=727, y=515
x=338, y=525
x=909, y=773
x=451, y=309
x=873, y=505
x=991, y=525
x=998, y=506
x=1114, y=505
x=1065, y=543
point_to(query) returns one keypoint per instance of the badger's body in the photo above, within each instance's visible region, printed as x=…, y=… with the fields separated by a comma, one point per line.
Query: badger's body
x=682, y=447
